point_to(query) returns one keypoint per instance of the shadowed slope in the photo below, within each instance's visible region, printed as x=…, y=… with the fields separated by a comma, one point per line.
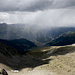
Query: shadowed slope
x=19, y=44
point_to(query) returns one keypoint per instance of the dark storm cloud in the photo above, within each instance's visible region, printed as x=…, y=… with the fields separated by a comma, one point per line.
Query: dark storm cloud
x=34, y=5
x=63, y=4
x=41, y=5
x=24, y=5
x=44, y=13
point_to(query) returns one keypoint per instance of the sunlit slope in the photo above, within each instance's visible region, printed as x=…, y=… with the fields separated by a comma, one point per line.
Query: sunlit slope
x=61, y=58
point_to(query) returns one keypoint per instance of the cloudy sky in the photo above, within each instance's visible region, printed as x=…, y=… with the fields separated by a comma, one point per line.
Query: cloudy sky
x=38, y=12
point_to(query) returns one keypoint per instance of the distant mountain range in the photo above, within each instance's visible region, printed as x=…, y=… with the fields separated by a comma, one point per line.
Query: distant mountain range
x=31, y=32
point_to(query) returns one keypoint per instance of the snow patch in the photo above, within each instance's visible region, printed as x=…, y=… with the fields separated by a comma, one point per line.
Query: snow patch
x=15, y=71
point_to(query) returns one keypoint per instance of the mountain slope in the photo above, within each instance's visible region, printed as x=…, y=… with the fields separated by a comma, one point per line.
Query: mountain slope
x=61, y=59
x=23, y=44
x=63, y=39
x=7, y=51
x=20, y=44
x=31, y=32
x=53, y=60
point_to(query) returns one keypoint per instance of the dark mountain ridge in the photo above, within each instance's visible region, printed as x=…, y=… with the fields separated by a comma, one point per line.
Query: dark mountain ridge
x=63, y=39
x=7, y=51
x=20, y=44
x=31, y=32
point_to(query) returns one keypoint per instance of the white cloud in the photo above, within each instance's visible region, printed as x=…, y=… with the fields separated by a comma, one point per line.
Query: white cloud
x=44, y=13
x=47, y=18
x=19, y=17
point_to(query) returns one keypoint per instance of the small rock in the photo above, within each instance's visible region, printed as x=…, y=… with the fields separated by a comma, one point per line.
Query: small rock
x=3, y=72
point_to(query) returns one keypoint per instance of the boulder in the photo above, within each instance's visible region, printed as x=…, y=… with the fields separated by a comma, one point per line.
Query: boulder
x=3, y=72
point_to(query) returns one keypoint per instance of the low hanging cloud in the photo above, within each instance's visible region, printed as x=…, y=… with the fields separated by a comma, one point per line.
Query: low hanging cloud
x=43, y=13
x=47, y=18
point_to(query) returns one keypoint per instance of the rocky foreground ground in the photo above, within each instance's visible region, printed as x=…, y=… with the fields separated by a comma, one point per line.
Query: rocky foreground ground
x=56, y=60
